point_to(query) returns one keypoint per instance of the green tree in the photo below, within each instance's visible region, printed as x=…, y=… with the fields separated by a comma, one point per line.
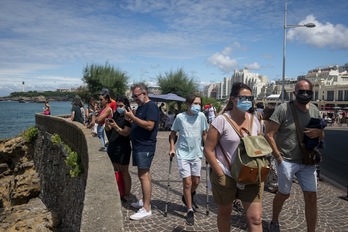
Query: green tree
x=176, y=82
x=98, y=76
x=216, y=103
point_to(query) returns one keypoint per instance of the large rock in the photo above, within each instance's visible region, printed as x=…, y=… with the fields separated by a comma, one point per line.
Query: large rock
x=20, y=206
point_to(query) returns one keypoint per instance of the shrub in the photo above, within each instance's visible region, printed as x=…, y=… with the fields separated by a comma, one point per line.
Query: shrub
x=72, y=160
x=30, y=134
x=56, y=140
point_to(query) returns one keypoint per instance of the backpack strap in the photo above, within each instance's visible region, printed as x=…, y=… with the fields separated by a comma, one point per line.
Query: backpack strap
x=251, y=123
x=238, y=133
x=233, y=125
x=222, y=149
x=297, y=124
x=225, y=155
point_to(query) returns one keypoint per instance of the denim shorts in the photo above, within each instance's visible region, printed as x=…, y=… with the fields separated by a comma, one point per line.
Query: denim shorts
x=306, y=176
x=142, y=160
x=189, y=167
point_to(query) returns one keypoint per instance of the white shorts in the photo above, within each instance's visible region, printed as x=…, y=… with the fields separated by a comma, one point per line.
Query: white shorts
x=306, y=176
x=189, y=167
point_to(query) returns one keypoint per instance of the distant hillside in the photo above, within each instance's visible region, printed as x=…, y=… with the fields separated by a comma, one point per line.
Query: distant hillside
x=36, y=96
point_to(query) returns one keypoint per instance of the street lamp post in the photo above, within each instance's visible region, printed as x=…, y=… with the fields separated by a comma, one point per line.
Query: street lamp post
x=309, y=25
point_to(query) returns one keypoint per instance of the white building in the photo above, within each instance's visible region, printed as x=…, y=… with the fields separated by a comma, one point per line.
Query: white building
x=222, y=89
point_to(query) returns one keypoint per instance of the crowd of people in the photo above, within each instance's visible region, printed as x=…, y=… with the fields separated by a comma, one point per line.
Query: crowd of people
x=127, y=133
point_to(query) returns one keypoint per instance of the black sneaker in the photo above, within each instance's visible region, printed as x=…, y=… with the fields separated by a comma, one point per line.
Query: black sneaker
x=193, y=200
x=237, y=206
x=190, y=220
x=194, y=205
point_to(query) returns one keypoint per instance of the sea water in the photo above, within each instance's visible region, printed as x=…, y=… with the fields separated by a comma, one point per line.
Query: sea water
x=17, y=117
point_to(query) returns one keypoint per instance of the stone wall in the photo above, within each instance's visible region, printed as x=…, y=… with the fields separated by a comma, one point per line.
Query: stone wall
x=89, y=202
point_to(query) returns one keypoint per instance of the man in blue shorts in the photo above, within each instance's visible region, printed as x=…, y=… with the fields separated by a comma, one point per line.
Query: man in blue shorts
x=143, y=135
x=282, y=135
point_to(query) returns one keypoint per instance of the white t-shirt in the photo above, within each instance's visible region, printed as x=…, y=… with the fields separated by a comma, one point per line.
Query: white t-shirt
x=211, y=112
x=190, y=127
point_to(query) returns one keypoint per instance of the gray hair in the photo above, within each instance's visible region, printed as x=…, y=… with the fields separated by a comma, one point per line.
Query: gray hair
x=141, y=86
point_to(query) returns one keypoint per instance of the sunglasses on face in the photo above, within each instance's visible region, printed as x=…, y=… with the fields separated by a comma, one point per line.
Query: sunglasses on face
x=136, y=95
x=245, y=98
x=302, y=91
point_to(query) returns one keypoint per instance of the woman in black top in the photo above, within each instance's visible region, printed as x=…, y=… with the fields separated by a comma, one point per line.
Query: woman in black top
x=119, y=149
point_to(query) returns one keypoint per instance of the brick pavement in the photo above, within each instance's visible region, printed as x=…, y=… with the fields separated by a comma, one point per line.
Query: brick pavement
x=333, y=211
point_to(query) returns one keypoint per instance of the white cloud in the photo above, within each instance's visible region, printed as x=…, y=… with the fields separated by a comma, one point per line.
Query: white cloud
x=223, y=62
x=54, y=40
x=253, y=66
x=323, y=35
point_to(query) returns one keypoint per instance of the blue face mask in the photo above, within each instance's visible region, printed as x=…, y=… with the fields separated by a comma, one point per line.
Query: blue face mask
x=120, y=110
x=195, y=109
x=244, y=105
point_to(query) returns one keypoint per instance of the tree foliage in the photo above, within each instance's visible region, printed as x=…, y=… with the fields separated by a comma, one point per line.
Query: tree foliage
x=63, y=96
x=98, y=77
x=176, y=82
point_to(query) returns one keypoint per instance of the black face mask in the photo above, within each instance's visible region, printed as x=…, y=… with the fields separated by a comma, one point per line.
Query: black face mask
x=304, y=96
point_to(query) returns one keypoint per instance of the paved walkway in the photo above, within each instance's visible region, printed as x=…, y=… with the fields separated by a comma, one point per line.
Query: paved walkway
x=333, y=211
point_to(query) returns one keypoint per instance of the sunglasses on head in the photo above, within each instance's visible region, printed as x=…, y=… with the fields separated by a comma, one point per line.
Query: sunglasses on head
x=245, y=98
x=302, y=91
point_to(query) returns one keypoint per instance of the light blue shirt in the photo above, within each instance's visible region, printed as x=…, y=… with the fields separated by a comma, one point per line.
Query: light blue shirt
x=190, y=127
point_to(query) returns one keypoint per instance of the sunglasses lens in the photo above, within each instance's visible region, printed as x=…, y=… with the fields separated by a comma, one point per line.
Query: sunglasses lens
x=246, y=98
x=308, y=92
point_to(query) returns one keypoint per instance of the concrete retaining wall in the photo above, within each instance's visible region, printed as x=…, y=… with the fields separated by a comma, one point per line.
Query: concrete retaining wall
x=89, y=202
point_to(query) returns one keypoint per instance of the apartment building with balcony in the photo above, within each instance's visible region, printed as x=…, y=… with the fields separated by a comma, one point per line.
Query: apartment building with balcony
x=330, y=86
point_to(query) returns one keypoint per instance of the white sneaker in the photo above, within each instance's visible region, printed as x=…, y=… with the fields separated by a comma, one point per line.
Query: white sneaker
x=141, y=214
x=139, y=204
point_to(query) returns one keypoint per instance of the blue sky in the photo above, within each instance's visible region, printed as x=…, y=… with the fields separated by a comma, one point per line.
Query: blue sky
x=46, y=43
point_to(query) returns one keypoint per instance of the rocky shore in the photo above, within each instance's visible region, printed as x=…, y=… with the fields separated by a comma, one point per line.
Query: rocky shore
x=20, y=206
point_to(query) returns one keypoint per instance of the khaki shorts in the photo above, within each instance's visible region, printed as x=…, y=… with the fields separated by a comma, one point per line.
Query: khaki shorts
x=225, y=190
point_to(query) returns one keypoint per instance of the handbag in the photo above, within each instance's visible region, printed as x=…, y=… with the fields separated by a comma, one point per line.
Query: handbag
x=251, y=165
x=310, y=157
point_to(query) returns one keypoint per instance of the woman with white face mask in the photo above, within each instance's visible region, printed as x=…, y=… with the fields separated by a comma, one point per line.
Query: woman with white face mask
x=192, y=126
x=221, y=148
x=119, y=150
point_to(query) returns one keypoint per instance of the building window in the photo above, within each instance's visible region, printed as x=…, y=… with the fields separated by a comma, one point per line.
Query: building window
x=340, y=95
x=346, y=95
x=330, y=95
